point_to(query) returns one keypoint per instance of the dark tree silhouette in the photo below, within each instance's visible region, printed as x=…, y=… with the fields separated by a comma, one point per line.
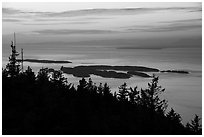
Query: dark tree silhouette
x=43, y=76
x=13, y=66
x=123, y=93
x=100, y=89
x=106, y=90
x=134, y=96
x=195, y=125
x=150, y=97
x=173, y=116
x=30, y=75
x=4, y=73
x=91, y=86
x=58, y=79
x=82, y=84
x=174, y=120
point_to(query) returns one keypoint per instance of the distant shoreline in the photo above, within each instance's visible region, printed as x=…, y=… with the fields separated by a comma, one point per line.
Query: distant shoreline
x=105, y=71
x=175, y=71
x=43, y=61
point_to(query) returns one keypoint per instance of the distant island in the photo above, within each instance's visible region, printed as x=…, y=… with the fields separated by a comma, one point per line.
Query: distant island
x=106, y=71
x=175, y=71
x=43, y=61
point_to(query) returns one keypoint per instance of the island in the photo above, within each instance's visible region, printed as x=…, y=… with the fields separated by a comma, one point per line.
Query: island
x=106, y=71
x=43, y=61
x=175, y=71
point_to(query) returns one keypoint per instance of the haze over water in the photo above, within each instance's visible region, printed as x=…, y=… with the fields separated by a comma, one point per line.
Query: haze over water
x=158, y=35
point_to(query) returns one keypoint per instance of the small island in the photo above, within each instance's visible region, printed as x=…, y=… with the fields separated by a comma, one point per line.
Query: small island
x=43, y=61
x=175, y=71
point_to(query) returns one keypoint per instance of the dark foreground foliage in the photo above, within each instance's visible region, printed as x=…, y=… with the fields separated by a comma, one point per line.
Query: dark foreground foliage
x=45, y=104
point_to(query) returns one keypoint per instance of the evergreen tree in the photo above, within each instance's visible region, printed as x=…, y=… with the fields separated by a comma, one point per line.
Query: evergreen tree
x=174, y=120
x=173, y=117
x=13, y=66
x=123, y=93
x=58, y=79
x=82, y=84
x=4, y=73
x=30, y=75
x=90, y=85
x=195, y=126
x=106, y=90
x=134, y=96
x=150, y=97
x=43, y=77
x=100, y=89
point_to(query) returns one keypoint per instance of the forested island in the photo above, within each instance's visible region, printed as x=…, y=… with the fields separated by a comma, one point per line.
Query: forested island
x=46, y=104
x=106, y=71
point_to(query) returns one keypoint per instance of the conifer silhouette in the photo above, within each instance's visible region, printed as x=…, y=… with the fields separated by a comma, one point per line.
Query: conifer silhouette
x=13, y=66
x=134, y=95
x=123, y=93
x=195, y=126
x=150, y=96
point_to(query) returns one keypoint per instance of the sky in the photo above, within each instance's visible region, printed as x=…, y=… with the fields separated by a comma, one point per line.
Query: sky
x=117, y=25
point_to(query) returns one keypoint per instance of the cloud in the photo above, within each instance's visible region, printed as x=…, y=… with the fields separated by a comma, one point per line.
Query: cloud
x=124, y=44
x=153, y=44
x=177, y=25
x=123, y=11
x=61, y=22
x=84, y=16
x=73, y=31
x=57, y=21
x=133, y=48
x=180, y=25
x=10, y=11
x=184, y=21
x=87, y=12
x=70, y=19
x=11, y=20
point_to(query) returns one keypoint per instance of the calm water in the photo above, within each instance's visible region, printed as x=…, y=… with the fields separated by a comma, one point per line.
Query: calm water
x=183, y=92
